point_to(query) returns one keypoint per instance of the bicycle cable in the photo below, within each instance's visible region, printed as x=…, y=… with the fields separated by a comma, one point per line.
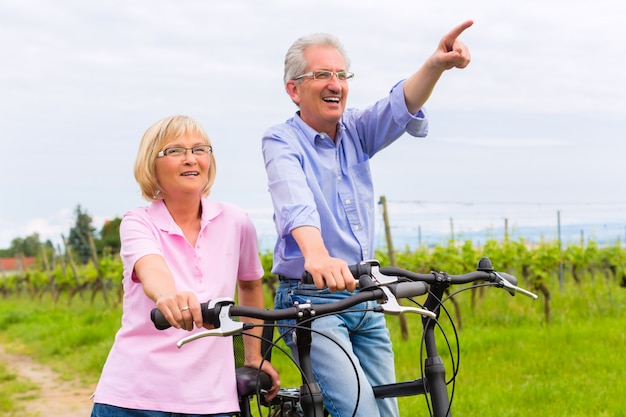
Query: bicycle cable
x=274, y=344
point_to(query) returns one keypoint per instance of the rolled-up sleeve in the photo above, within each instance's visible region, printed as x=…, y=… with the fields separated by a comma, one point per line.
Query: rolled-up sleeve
x=415, y=124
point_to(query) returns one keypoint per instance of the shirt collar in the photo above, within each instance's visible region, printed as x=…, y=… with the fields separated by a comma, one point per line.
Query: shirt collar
x=163, y=219
x=312, y=134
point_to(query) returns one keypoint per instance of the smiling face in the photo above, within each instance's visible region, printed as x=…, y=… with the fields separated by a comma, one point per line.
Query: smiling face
x=183, y=175
x=321, y=102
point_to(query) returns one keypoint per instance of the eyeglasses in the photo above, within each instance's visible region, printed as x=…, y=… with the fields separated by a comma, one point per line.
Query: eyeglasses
x=326, y=75
x=179, y=151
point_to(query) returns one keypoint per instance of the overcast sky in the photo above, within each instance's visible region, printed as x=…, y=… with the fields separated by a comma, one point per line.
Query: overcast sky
x=539, y=116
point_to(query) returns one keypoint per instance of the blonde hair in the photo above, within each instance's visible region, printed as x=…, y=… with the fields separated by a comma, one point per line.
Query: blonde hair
x=157, y=135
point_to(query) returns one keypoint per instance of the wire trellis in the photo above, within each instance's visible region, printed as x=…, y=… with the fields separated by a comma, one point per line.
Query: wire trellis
x=417, y=223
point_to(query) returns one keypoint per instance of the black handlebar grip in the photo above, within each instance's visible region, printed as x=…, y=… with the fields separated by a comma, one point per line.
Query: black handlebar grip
x=307, y=278
x=159, y=319
x=208, y=316
x=357, y=270
x=409, y=289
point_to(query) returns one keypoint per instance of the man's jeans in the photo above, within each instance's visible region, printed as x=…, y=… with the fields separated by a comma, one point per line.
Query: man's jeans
x=347, y=350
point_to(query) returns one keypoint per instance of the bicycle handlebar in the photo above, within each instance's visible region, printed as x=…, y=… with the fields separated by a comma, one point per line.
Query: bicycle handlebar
x=376, y=283
x=389, y=274
x=212, y=311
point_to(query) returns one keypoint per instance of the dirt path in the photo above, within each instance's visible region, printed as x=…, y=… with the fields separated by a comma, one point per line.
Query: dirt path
x=57, y=397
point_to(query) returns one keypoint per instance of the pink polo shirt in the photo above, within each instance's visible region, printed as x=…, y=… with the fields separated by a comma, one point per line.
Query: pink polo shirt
x=144, y=369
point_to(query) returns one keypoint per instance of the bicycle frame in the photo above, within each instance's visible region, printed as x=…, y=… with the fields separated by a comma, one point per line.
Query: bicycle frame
x=434, y=370
x=433, y=383
x=311, y=398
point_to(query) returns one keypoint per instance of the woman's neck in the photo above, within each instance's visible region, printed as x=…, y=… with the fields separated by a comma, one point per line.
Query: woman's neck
x=187, y=214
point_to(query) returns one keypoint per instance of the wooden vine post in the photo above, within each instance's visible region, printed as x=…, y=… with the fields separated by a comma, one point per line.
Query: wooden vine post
x=70, y=259
x=392, y=261
x=99, y=285
x=54, y=292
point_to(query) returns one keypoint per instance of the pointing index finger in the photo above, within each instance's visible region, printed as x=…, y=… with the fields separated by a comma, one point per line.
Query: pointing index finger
x=456, y=32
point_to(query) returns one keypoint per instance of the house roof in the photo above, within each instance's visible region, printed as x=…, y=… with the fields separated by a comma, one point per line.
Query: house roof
x=14, y=264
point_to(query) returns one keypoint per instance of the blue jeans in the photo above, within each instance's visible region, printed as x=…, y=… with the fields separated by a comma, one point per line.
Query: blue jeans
x=105, y=410
x=364, y=337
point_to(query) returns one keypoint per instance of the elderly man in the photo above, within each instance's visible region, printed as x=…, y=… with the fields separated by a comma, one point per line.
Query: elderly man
x=318, y=173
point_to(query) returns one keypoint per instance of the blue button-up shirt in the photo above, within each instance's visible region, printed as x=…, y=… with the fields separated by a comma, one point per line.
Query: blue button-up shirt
x=314, y=181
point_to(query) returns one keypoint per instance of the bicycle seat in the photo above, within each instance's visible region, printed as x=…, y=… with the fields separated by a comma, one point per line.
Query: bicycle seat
x=250, y=381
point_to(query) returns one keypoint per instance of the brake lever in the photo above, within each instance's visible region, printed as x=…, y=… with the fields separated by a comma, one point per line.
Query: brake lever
x=228, y=327
x=513, y=289
x=379, y=277
x=391, y=306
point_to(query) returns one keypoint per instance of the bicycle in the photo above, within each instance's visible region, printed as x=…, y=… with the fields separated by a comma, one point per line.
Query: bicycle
x=382, y=284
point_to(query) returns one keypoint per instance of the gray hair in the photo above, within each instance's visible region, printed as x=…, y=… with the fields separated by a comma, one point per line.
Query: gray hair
x=295, y=63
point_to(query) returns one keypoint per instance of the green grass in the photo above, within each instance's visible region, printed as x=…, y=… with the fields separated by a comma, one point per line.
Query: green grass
x=512, y=363
x=564, y=370
x=12, y=391
x=72, y=338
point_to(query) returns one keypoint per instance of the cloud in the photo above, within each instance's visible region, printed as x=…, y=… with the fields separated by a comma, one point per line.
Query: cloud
x=507, y=143
x=539, y=113
x=49, y=228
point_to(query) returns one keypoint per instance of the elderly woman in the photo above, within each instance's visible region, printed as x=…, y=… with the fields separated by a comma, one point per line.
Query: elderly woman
x=182, y=248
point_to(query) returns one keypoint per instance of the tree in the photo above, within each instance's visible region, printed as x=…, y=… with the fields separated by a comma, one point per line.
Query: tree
x=109, y=241
x=78, y=239
x=28, y=246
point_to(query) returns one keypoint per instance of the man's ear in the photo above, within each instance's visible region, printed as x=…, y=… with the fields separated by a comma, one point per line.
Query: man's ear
x=292, y=89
